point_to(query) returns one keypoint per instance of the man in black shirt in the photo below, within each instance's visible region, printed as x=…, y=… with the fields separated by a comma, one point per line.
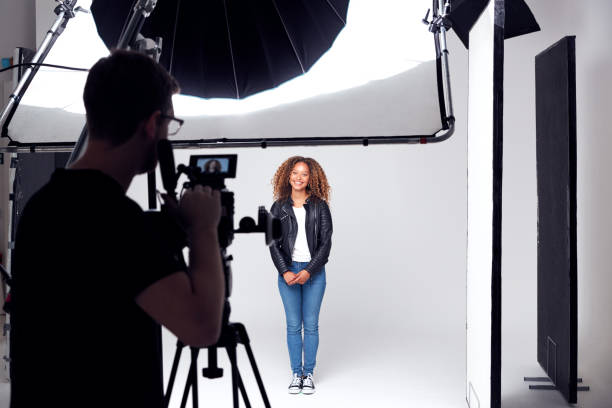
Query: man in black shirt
x=92, y=279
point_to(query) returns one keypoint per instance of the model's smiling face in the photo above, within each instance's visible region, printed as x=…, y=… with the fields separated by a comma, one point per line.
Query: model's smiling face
x=300, y=174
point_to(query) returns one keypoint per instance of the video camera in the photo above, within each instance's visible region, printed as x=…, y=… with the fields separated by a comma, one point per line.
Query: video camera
x=212, y=170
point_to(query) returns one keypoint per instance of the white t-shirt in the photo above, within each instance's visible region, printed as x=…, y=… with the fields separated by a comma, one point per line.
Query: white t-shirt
x=300, y=249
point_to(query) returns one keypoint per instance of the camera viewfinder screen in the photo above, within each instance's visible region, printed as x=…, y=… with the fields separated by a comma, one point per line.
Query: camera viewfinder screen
x=223, y=164
x=214, y=166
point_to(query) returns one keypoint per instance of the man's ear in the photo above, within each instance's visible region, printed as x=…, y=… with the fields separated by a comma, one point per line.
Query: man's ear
x=151, y=124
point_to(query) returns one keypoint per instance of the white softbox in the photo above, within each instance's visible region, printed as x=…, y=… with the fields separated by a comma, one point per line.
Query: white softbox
x=382, y=78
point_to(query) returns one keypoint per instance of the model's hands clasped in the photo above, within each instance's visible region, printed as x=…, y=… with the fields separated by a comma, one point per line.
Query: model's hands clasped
x=200, y=209
x=292, y=278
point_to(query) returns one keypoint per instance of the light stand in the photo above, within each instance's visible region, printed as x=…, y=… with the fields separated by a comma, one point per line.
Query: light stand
x=439, y=26
x=65, y=11
x=128, y=39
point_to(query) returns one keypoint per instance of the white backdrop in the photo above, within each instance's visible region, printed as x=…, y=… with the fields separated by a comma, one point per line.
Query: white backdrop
x=392, y=321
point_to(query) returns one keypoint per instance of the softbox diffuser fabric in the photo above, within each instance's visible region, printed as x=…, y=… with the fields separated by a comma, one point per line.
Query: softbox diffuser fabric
x=378, y=79
x=483, y=329
x=555, y=70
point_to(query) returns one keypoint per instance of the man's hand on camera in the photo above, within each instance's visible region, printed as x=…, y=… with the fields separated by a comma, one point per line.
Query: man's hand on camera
x=190, y=303
x=290, y=278
x=200, y=208
x=302, y=277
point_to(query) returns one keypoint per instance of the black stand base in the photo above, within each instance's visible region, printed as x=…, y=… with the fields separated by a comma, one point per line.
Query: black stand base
x=550, y=387
x=232, y=334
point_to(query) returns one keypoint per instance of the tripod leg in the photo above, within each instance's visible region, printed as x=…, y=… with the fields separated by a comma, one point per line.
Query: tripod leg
x=243, y=392
x=245, y=397
x=193, y=373
x=260, y=383
x=177, y=357
x=231, y=353
x=191, y=380
x=244, y=339
x=186, y=391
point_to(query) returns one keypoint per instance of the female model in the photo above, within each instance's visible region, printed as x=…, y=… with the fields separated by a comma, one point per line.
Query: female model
x=301, y=192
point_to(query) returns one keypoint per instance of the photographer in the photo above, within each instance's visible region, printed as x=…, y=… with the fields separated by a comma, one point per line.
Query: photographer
x=92, y=279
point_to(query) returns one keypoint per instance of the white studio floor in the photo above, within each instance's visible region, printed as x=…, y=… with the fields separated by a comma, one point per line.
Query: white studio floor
x=424, y=369
x=425, y=372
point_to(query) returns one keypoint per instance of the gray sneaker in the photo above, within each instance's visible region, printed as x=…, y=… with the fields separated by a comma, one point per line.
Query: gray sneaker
x=308, y=384
x=296, y=384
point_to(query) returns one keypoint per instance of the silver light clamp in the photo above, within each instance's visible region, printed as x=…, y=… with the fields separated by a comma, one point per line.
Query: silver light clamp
x=439, y=19
x=141, y=11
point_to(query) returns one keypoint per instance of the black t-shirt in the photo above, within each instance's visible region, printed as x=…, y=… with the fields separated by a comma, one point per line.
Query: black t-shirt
x=83, y=252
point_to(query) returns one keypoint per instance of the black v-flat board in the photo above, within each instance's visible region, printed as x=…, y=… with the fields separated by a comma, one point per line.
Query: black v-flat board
x=555, y=70
x=32, y=172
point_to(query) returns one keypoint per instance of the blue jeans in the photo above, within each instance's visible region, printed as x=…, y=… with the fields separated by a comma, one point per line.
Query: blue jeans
x=302, y=305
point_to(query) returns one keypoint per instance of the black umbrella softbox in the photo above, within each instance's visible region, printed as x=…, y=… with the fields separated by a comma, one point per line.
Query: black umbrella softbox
x=232, y=49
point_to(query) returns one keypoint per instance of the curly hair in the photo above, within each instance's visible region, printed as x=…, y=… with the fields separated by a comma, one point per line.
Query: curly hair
x=317, y=185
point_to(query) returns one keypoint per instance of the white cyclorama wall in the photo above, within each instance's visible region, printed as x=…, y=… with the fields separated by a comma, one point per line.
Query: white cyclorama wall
x=589, y=21
x=378, y=79
x=395, y=274
x=397, y=268
x=480, y=210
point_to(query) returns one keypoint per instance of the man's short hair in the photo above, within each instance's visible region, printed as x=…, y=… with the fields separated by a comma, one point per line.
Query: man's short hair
x=121, y=91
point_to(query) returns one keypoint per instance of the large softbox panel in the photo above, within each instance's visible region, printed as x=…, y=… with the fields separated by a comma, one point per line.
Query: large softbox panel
x=381, y=78
x=555, y=70
x=483, y=329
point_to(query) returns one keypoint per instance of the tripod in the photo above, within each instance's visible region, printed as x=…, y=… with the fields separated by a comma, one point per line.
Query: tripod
x=232, y=334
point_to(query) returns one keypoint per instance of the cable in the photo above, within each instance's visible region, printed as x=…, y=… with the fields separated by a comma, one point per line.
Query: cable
x=30, y=64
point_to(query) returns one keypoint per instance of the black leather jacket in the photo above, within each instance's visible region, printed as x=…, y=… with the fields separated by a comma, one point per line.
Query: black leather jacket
x=318, y=234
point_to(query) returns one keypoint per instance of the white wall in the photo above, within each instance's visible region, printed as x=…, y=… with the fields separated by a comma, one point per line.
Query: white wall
x=14, y=31
x=589, y=22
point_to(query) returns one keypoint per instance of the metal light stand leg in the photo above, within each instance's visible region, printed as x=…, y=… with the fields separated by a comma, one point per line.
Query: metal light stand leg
x=65, y=11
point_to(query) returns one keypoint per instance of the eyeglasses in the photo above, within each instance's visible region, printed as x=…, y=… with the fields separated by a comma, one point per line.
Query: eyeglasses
x=175, y=124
